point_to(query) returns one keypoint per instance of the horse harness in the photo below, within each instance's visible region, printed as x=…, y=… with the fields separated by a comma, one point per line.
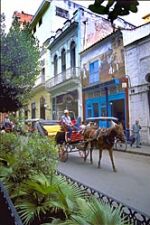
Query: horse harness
x=102, y=132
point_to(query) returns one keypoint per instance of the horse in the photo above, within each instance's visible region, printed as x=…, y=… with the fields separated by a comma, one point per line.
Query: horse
x=103, y=138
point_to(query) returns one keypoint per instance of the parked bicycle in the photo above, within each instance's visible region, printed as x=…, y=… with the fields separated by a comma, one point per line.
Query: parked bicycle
x=118, y=145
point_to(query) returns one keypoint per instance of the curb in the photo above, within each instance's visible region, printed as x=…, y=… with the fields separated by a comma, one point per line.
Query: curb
x=138, y=153
x=133, y=152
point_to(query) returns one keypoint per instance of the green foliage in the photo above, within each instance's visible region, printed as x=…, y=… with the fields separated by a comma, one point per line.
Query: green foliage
x=49, y=197
x=19, y=66
x=8, y=142
x=92, y=211
x=25, y=156
x=114, y=8
x=27, y=168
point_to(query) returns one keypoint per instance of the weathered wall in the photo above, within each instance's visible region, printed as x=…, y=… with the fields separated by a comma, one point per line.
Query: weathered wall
x=111, y=59
x=137, y=61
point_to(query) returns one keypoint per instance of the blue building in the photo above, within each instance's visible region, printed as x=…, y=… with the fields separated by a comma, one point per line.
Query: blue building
x=103, y=74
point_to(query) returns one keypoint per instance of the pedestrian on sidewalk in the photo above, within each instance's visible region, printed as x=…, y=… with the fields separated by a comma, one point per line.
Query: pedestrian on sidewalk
x=7, y=124
x=136, y=133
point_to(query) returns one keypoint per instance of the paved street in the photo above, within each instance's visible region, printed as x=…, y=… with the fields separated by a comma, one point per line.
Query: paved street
x=130, y=185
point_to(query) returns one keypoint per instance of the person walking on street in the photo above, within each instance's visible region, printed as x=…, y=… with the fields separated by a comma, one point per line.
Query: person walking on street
x=136, y=133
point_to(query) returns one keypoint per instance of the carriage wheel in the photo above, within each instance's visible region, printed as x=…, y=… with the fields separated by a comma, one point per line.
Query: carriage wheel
x=83, y=154
x=63, y=153
x=121, y=146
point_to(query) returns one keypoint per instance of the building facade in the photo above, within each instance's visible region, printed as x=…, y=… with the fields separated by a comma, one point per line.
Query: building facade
x=77, y=34
x=49, y=17
x=137, y=63
x=51, y=21
x=65, y=82
x=103, y=69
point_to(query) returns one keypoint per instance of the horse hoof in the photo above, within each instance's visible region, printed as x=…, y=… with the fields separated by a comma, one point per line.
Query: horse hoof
x=114, y=170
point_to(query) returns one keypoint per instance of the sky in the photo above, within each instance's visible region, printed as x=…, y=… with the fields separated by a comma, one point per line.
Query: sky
x=31, y=6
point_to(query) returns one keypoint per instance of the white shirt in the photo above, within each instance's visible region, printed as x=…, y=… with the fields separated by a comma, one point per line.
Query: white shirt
x=67, y=120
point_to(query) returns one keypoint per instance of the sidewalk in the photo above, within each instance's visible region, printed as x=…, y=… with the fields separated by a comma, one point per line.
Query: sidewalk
x=144, y=150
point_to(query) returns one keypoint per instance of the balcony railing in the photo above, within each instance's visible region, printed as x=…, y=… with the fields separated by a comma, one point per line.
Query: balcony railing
x=69, y=74
x=132, y=215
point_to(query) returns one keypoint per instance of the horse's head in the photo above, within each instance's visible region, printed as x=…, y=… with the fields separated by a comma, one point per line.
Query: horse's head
x=119, y=132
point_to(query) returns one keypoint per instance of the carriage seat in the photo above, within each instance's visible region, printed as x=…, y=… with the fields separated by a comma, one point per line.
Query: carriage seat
x=76, y=136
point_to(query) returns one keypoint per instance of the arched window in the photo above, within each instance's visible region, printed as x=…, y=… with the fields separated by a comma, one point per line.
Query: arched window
x=73, y=54
x=63, y=60
x=26, y=110
x=55, y=65
x=42, y=108
x=33, y=110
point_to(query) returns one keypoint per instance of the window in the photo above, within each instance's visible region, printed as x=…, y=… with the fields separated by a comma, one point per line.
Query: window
x=95, y=110
x=94, y=72
x=33, y=109
x=42, y=62
x=43, y=72
x=42, y=108
x=69, y=4
x=63, y=60
x=55, y=65
x=26, y=110
x=89, y=113
x=103, y=111
x=34, y=29
x=40, y=21
x=62, y=12
x=73, y=54
x=26, y=114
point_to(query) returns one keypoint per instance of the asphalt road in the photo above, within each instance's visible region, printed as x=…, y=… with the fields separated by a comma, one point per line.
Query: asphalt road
x=130, y=184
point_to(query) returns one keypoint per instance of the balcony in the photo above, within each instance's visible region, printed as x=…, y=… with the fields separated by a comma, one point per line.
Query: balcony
x=71, y=76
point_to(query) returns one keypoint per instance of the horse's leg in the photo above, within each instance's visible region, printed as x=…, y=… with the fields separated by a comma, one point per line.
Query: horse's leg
x=111, y=157
x=91, y=151
x=100, y=156
x=85, y=147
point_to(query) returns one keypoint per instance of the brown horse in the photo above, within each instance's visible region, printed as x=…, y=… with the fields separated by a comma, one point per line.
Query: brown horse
x=103, y=138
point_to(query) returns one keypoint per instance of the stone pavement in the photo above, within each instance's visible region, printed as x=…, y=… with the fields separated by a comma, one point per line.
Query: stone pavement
x=144, y=150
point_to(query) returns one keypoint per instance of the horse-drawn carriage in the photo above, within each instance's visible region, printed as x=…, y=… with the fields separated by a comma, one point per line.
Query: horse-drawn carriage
x=74, y=144
x=54, y=129
x=92, y=136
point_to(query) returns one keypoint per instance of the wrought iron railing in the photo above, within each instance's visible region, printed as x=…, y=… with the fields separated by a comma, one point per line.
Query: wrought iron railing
x=71, y=73
x=132, y=215
x=8, y=213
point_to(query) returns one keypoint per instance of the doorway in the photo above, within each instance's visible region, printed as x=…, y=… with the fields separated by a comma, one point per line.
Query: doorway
x=118, y=110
